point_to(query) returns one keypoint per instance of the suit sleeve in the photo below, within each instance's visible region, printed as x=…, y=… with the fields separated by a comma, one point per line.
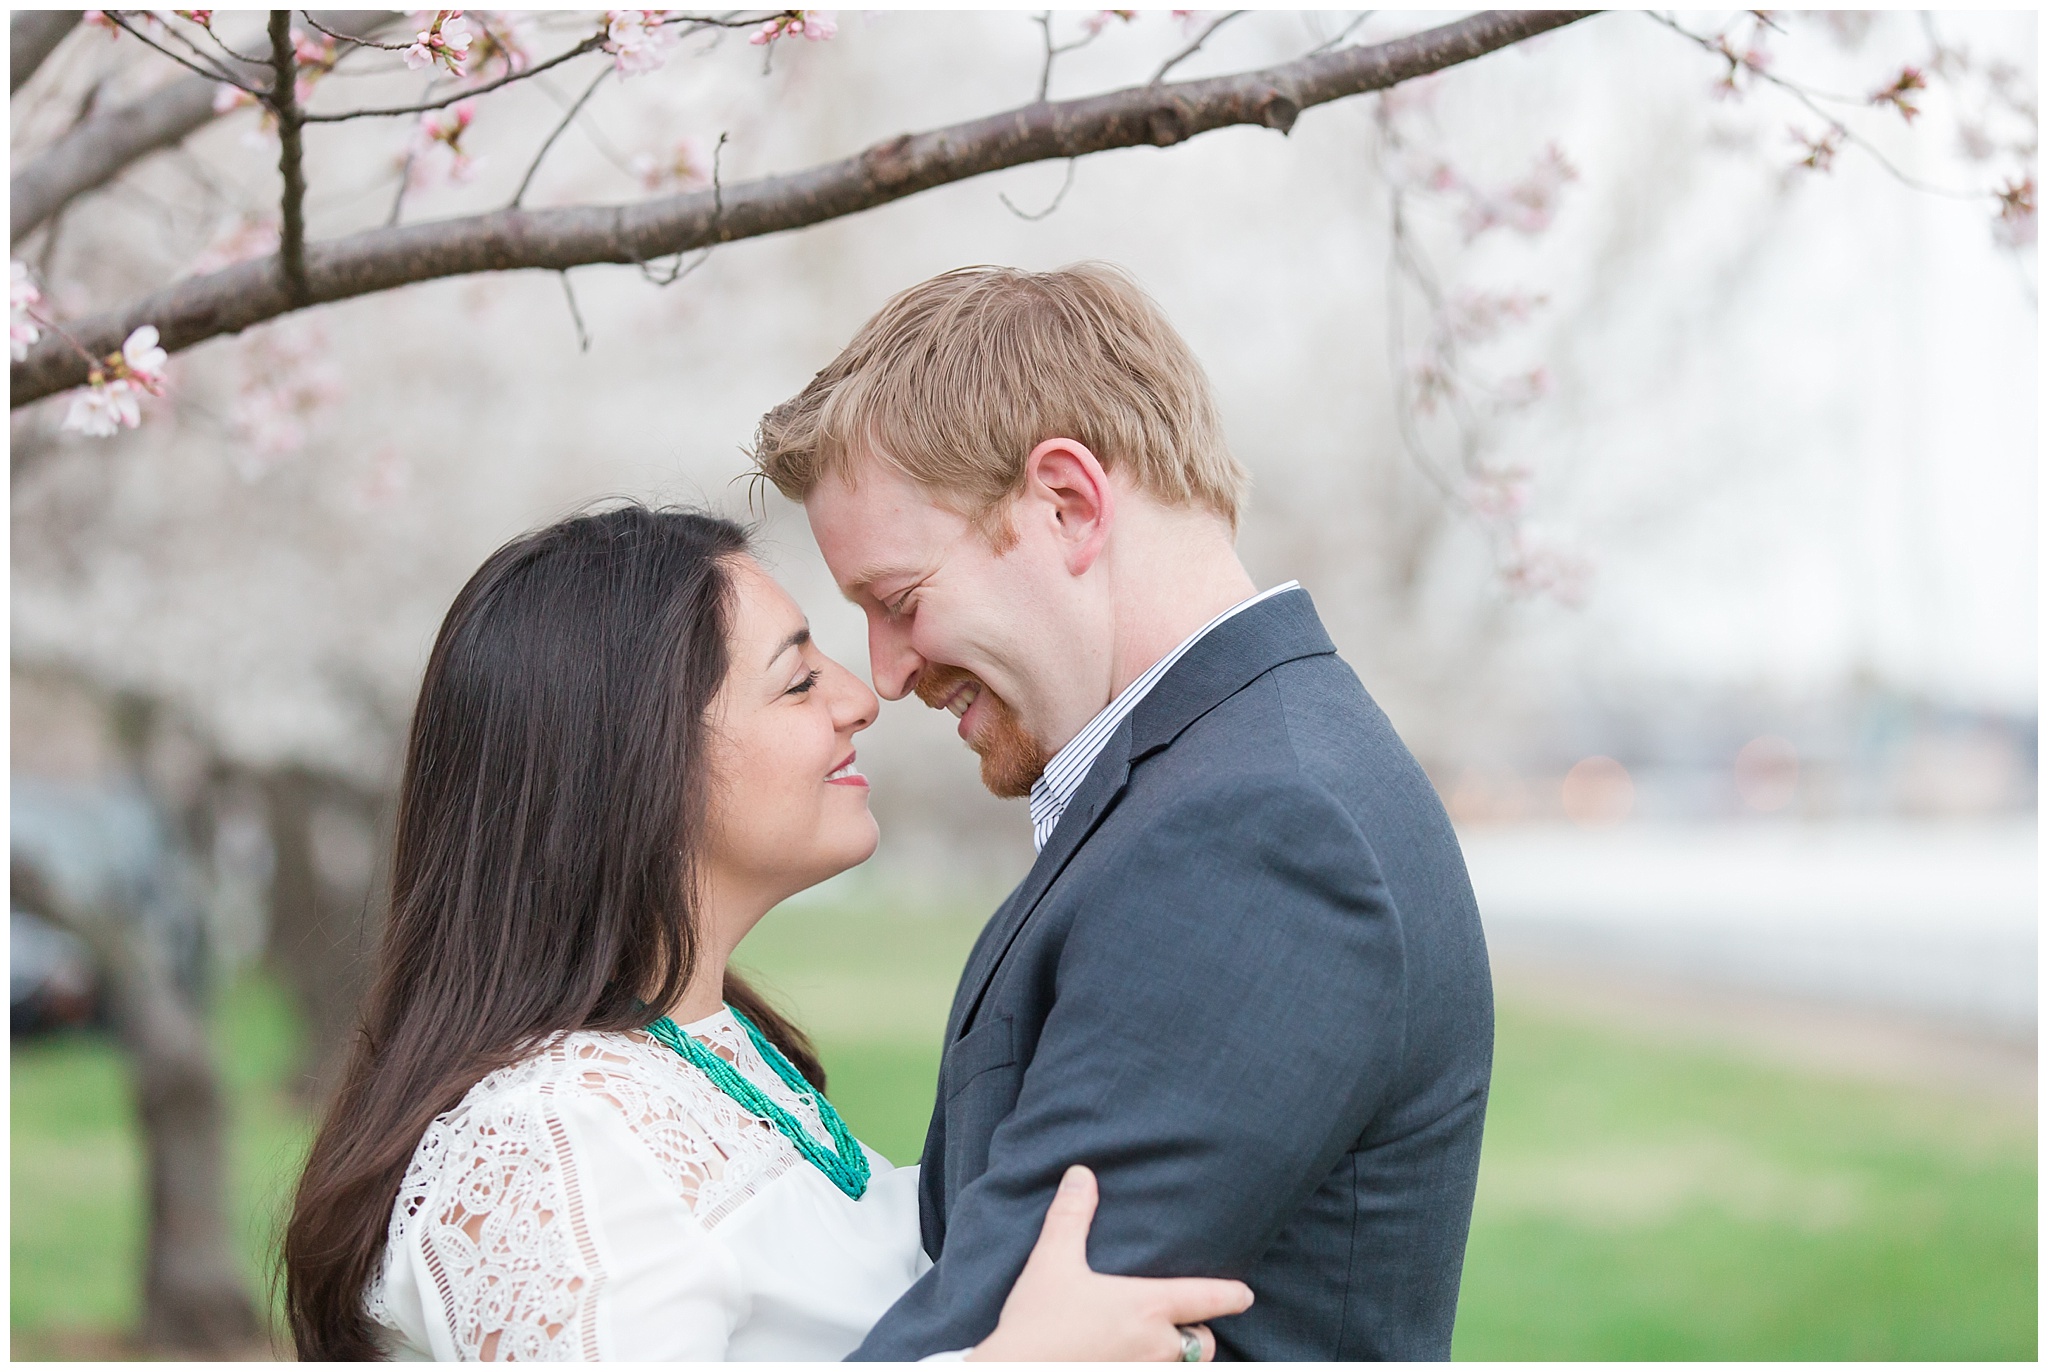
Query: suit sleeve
x=1228, y=1014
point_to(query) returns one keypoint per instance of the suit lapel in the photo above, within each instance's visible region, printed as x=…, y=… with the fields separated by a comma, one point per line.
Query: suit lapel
x=1104, y=784
x=1234, y=654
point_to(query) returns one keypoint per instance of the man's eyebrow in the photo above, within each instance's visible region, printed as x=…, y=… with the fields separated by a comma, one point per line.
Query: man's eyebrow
x=795, y=640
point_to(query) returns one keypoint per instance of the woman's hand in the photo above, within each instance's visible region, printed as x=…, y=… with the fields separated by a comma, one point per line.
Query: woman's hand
x=1060, y=1311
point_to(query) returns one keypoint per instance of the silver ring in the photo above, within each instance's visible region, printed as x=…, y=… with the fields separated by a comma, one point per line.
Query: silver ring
x=1190, y=1344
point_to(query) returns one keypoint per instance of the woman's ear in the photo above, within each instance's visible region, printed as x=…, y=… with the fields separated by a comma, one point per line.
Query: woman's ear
x=1066, y=487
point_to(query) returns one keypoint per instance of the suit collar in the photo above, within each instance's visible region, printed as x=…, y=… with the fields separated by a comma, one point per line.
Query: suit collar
x=1226, y=660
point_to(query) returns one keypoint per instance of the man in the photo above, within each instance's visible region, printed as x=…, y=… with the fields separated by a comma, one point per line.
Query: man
x=1244, y=980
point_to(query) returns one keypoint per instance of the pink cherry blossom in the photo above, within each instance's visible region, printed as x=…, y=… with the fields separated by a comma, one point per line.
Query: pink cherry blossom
x=1499, y=493
x=795, y=24
x=288, y=384
x=1098, y=21
x=2017, y=225
x=683, y=167
x=638, y=40
x=22, y=298
x=506, y=46
x=439, y=129
x=249, y=236
x=445, y=41
x=226, y=98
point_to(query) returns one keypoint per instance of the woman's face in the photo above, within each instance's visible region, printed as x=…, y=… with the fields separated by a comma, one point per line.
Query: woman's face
x=788, y=809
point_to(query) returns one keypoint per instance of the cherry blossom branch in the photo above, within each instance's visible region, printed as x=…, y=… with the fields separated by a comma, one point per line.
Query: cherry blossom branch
x=1191, y=49
x=284, y=103
x=32, y=35
x=1835, y=125
x=99, y=149
x=588, y=45
x=237, y=297
x=694, y=23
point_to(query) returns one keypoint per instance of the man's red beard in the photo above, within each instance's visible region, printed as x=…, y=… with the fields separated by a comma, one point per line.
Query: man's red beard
x=1011, y=759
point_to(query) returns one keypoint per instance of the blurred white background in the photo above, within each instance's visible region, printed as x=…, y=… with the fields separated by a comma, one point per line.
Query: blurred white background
x=1789, y=430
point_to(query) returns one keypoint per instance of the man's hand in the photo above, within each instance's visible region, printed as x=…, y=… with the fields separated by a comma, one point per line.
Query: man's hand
x=1060, y=1311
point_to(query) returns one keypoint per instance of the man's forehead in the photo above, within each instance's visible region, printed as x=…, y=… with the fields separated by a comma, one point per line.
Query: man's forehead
x=876, y=530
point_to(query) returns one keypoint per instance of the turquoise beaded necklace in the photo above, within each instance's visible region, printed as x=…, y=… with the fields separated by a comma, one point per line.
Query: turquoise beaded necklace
x=844, y=1163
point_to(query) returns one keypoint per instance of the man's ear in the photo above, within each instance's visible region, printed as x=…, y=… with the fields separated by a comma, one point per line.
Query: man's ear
x=1066, y=488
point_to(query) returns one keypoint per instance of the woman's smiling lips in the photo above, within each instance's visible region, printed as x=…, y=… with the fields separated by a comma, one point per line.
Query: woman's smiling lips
x=845, y=775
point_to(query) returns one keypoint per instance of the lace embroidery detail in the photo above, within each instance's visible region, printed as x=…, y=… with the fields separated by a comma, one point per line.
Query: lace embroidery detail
x=492, y=1199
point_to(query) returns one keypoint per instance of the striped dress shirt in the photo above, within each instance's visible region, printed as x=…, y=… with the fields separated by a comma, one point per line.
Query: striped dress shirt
x=1069, y=766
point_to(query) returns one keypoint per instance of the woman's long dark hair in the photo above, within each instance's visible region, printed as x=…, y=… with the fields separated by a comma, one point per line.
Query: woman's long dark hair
x=542, y=869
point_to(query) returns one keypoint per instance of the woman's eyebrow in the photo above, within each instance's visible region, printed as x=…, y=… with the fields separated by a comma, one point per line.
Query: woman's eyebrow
x=795, y=640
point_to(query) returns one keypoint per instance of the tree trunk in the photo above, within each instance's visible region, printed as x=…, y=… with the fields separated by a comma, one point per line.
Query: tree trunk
x=325, y=908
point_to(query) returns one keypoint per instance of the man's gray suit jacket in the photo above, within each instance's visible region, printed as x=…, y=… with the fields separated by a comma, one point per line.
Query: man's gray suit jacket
x=1245, y=983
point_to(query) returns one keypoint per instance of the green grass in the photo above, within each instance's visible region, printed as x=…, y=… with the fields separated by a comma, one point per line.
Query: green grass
x=1637, y=1199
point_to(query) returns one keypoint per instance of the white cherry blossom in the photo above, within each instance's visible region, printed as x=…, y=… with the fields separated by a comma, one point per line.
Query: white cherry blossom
x=103, y=409
x=638, y=40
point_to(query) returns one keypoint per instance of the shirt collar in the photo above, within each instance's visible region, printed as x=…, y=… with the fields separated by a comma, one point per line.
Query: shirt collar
x=1055, y=787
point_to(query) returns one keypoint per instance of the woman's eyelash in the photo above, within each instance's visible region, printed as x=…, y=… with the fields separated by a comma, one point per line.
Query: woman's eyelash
x=810, y=680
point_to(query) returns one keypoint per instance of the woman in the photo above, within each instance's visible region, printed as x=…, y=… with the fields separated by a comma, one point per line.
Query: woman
x=568, y=1129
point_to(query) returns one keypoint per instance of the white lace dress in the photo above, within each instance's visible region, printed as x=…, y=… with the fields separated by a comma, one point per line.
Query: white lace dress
x=603, y=1199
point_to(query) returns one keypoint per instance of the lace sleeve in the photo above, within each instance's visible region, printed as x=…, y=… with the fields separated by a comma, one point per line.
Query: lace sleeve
x=540, y=1227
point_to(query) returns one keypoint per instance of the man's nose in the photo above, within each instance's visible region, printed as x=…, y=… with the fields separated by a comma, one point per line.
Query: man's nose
x=891, y=659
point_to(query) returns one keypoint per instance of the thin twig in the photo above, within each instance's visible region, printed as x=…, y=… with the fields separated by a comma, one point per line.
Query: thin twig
x=718, y=183
x=677, y=271
x=1191, y=49
x=283, y=101
x=349, y=38
x=582, y=334
x=404, y=185
x=1065, y=186
x=1044, y=21
x=213, y=74
x=205, y=56
x=567, y=120
x=1342, y=34
x=242, y=57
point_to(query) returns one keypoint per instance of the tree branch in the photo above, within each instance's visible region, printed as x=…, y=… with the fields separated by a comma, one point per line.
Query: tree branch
x=291, y=158
x=32, y=35
x=103, y=146
x=233, y=299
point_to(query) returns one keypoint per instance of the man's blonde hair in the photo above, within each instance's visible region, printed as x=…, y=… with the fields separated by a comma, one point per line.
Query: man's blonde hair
x=957, y=379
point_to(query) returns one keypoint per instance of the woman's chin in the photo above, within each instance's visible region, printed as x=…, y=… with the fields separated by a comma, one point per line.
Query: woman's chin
x=845, y=851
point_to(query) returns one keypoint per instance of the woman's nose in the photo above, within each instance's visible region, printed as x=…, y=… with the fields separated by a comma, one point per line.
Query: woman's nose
x=854, y=706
